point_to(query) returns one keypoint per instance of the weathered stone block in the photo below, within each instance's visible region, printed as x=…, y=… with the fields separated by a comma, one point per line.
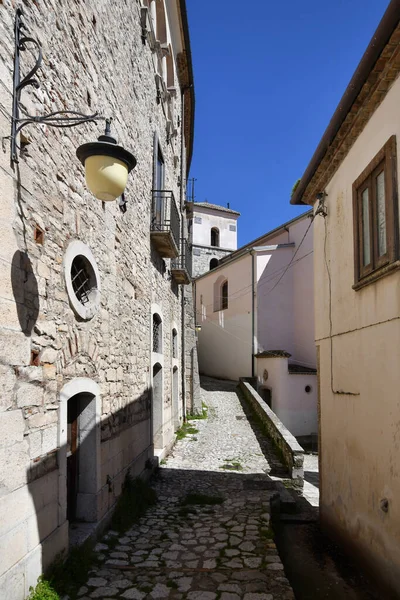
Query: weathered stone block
x=49, y=439
x=30, y=373
x=48, y=355
x=14, y=466
x=42, y=419
x=14, y=348
x=29, y=394
x=12, y=427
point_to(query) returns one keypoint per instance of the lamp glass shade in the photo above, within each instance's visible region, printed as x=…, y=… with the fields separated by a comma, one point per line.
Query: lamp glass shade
x=106, y=176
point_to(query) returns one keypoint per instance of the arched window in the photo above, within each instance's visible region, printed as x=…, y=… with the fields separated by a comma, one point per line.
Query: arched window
x=161, y=22
x=224, y=295
x=157, y=333
x=220, y=293
x=174, y=343
x=170, y=69
x=215, y=237
x=213, y=263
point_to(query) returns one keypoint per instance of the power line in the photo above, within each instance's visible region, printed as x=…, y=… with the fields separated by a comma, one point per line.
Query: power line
x=268, y=279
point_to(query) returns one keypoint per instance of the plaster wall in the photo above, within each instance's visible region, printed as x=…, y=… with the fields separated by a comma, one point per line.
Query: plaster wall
x=296, y=408
x=285, y=317
x=225, y=344
x=359, y=375
x=113, y=73
x=201, y=232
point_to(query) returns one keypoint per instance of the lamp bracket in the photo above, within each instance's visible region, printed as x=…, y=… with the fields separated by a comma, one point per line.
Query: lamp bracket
x=64, y=118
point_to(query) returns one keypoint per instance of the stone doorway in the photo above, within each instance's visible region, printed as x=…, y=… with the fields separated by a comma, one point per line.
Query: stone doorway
x=81, y=458
x=157, y=402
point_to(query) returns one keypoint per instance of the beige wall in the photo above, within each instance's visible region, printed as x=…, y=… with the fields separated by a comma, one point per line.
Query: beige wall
x=360, y=425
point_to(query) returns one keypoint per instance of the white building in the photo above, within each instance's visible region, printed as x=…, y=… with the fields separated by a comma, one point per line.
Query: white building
x=257, y=320
x=212, y=233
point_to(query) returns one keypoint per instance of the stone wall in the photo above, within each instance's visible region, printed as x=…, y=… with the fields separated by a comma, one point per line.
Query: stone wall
x=291, y=452
x=202, y=256
x=94, y=59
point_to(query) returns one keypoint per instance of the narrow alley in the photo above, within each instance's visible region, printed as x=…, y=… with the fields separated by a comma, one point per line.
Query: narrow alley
x=189, y=547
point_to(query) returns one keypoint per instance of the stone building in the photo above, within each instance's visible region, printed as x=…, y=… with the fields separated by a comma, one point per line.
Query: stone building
x=212, y=233
x=97, y=341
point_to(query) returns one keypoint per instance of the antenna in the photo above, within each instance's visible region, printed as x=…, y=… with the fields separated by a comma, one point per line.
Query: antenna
x=191, y=181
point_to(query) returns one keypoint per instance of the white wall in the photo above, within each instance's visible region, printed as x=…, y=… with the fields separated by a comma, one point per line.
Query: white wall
x=296, y=408
x=285, y=310
x=225, y=344
x=201, y=232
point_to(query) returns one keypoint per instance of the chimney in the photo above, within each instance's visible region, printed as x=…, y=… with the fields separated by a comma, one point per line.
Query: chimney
x=227, y=204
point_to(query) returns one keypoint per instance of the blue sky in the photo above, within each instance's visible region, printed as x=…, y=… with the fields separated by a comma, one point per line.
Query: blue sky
x=268, y=77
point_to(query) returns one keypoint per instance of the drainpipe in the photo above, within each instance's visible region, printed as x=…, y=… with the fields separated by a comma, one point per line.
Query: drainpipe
x=253, y=312
x=181, y=198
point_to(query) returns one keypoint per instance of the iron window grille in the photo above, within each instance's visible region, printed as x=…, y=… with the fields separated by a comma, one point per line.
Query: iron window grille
x=174, y=343
x=157, y=333
x=80, y=278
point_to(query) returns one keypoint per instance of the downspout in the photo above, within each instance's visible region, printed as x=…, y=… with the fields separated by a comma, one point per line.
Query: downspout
x=181, y=198
x=253, y=312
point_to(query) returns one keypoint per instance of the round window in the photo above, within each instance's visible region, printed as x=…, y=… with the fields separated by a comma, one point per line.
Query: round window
x=308, y=389
x=82, y=280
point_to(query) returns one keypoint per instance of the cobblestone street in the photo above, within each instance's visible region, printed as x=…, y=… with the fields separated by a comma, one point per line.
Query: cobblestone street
x=187, y=547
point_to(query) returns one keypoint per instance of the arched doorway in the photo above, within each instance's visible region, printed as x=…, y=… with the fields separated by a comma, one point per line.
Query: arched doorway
x=157, y=402
x=79, y=453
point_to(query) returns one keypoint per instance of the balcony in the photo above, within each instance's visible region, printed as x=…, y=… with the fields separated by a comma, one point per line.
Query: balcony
x=164, y=229
x=181, y=267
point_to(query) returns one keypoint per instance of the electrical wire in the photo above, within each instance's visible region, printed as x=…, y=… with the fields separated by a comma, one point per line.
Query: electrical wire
x=268, y=279
x=330, y=315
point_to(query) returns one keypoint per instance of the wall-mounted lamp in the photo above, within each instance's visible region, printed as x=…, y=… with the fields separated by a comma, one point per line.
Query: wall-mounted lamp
x=198, y=327
x=106, y=164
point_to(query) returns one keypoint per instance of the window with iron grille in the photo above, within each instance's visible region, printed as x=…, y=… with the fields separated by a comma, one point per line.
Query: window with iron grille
x=174, y=343
x=157, y=333
x=82, y=279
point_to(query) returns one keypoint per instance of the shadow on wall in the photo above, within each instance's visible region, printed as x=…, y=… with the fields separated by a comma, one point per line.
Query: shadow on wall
x=73, y=487
x=25, y=291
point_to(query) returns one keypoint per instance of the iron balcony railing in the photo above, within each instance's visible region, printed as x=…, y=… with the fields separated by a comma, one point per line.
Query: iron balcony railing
x=165, y=215
x=184, y=260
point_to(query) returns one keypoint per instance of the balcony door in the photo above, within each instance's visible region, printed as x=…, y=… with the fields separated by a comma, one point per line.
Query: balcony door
x=159, y=183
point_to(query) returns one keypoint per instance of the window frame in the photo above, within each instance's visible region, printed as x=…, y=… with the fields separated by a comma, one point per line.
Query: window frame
x=385, y=160
x=224, y=296
x=214, y=236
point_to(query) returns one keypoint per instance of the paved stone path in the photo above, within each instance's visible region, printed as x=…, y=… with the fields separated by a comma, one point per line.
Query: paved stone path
x=202, y=551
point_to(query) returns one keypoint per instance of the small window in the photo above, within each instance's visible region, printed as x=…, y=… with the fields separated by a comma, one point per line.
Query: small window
x=82, y=280
x=157, y=333
x=374, y=209
x=215, y=237
x=213, y=263
x=224, y=295
x=174, y=343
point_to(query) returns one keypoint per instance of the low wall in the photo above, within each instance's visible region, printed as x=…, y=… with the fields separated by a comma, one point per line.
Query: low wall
x=290, y=450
